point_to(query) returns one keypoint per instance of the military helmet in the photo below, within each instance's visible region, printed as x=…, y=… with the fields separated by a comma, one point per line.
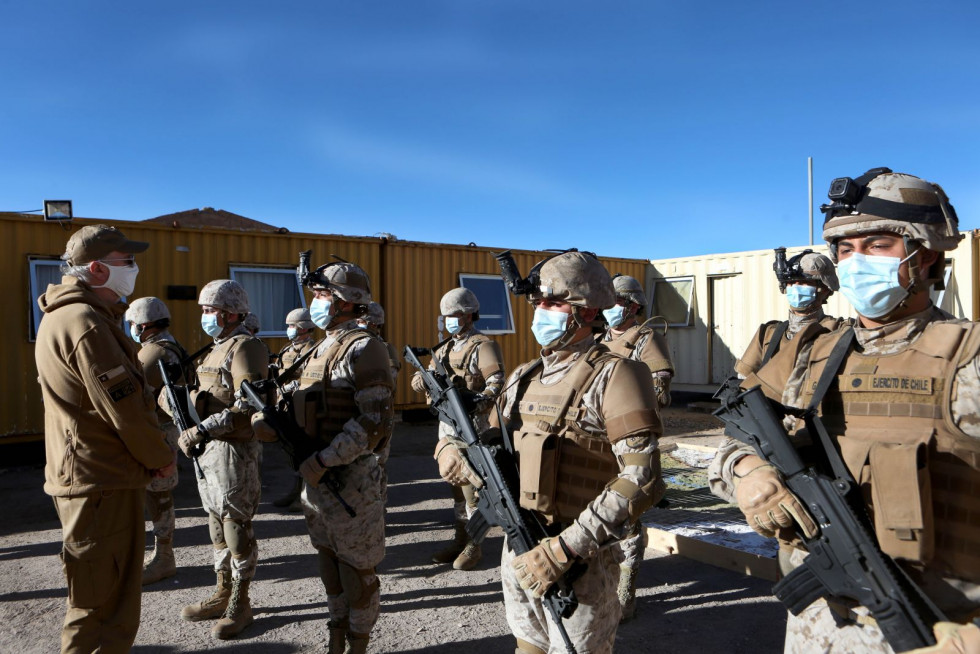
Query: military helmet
x=346, y=280
x=225, y=294
x=459, y=300
x=375, y=314
x=578, y=278
x=882, y=200
x=807, y=266
x=628, y=288
x=300, y=318
x=147, y=309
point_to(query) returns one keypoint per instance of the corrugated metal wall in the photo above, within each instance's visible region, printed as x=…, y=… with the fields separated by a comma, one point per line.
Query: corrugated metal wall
x=408, y=279
x=761, y=301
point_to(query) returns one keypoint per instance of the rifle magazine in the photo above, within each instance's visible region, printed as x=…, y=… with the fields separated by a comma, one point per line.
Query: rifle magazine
x=799, y=589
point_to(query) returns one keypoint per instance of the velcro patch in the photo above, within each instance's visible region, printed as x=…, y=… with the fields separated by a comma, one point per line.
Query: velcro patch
x=877, y=383
x=109, y=375
x=538, y=409
x=313, y=374
x=117, y=383
x=121, y=390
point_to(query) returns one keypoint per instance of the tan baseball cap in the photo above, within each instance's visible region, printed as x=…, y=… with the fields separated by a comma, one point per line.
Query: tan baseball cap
x=93, y=242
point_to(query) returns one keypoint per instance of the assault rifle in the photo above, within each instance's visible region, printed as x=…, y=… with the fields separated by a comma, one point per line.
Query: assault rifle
x=844, y=559
x=496, y=505
x=180, y=412
x=292, y=438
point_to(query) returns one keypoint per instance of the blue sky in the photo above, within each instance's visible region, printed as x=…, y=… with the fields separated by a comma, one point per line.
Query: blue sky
x=636, y=129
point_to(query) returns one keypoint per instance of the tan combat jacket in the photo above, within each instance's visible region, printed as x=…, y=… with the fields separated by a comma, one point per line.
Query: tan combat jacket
x=100, y=425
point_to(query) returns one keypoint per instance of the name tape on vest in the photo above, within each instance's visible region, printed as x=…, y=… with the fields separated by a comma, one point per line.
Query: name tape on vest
x=876, y=383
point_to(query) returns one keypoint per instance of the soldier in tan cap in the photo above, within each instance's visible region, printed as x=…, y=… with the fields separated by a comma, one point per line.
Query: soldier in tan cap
x=228, y=453
x=102, y=440
x=149, y=322
x=901, y=399
x=474, y=362
x=584, y=423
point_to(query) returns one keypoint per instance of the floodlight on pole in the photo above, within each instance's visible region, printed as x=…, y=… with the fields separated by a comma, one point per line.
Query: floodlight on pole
x=59, y=210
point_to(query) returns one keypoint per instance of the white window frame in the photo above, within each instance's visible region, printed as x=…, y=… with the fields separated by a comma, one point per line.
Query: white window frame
x=33, y=293
x=689, y=299
x=264, y=332
x=503, y=286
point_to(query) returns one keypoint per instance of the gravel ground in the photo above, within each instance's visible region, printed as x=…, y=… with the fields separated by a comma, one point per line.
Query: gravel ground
x=683, y=605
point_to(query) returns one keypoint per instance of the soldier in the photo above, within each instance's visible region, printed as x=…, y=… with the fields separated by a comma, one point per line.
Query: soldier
x=252, y=324
x=102, y=440
x=149, y=320
x=474, y=362
x=640, y=342
x=231, y=455
x=590, y=489
x=299, y=330
x=807, y=280
x=344, y=401
x=372, y=321
x=914, y=446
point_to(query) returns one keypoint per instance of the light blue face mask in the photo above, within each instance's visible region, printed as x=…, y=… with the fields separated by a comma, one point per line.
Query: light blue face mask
x=800, y=296
x=291, y=333
x=135, y=332
x=870, y=283
x=320, y=312
x=209, y=323
x=614, y=316
x=548, y=326
x=453, y=325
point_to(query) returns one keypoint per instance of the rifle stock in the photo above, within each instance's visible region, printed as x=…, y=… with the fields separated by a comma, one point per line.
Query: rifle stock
x=292, y=438
x=844, y=558
x=178, y=403
x=496, y=505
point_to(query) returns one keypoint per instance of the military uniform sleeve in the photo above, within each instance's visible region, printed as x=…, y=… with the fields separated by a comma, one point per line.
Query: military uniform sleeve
x=751, y=359
x=629, y=411
x=720, y=474
x=118, y=394
x=965, y=404
x=490, y=362
x=373, y=423
x=148, y=356
x=655, y=353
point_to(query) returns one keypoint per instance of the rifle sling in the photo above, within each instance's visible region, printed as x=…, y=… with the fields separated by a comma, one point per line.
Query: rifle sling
x=832, y=367
x=285, y=374
x=775, y=341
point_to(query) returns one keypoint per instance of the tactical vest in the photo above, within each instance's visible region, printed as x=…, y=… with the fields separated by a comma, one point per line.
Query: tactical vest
x=920, y=474
x=216, y=390
x=773, y=375
x=563, y=468
x=319, y=408
x=457, y=363
x=655, y=354
x=288, y=356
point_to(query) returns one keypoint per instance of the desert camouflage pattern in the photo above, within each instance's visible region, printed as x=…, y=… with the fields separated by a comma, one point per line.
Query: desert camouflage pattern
x=591, y=628
x=607, y=518
x=225, y=294
x=358, y=541
x=494, y=383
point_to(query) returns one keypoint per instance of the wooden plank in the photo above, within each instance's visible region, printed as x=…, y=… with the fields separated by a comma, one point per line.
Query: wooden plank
x=723, y=557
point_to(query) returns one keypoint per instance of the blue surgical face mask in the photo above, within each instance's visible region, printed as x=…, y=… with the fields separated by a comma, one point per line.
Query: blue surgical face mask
x=320, y=312
x=614, y=316
x=548, y=326
x=135, y=332
x=291, y=333
x=870, y=283
x=800, y=296
x=453, y=325
x=209, y=323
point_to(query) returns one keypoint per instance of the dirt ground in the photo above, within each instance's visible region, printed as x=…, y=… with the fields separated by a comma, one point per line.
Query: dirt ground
x=683, y=605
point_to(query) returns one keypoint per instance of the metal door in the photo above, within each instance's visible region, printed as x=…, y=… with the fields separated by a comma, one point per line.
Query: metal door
x=725, y=335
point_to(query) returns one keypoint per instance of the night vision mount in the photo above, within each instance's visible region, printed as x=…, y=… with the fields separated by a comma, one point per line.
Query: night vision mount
x=531, y=284
x=788, y=271
x=315, y=278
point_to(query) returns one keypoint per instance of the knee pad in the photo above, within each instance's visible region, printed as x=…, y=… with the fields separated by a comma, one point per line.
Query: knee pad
x=238, y=535
x=217, y=531
x=329, y=571
x=359, y=585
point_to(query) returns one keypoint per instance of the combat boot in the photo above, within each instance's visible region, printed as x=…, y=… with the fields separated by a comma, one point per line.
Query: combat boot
x=357, y=643
x=161, y=565
x=469, y=557
x=338, y=637
x=292, y=496
x=627, y=592
x=214, y=606
x=455, y=548
x=238, y=615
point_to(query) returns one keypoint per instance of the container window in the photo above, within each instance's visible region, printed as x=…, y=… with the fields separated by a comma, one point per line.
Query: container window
x=41, y=273
x=672, y=299
x=496, y=316
x=272, y=293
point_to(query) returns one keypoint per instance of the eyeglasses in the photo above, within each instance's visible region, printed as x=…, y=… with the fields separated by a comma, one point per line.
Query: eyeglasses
x=129, y=261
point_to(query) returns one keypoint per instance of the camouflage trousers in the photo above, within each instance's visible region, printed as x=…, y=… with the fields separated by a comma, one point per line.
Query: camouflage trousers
x=633, y=546
x=592, y=627
x=230, y=493
x=358, y=542
x=159, y=493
